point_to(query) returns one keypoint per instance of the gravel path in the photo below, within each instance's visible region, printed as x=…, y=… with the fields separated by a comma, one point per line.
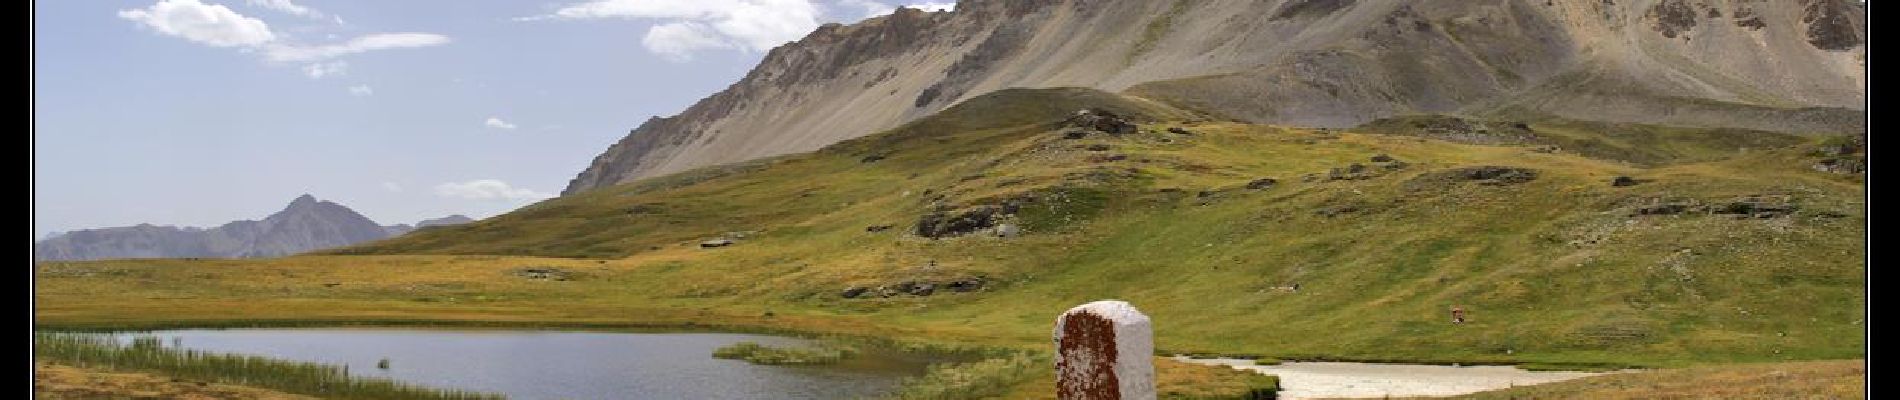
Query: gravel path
x=1320, y=380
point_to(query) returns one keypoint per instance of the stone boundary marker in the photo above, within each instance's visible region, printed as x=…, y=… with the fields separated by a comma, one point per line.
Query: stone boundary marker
x=1104, y=351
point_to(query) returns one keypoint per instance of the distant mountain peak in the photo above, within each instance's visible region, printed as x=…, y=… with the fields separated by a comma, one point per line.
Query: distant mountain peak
x=305, y=199
x=456, y=219
x=303, y=225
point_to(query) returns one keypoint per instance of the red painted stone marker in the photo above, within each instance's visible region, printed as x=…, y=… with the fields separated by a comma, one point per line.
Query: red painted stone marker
x=1104, y=351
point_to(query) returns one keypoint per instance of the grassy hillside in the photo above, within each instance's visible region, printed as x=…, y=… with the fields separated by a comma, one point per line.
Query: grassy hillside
x=1717, y=255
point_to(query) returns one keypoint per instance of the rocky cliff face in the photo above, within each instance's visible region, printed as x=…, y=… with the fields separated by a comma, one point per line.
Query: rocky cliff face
x=304, y=225
x=1778, y=65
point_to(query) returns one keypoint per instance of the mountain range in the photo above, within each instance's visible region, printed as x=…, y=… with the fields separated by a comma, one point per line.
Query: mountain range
x=304, y=225
x=1595, y=184
x=1790, y=66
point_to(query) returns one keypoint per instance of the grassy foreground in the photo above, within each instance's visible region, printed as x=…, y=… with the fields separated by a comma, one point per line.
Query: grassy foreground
x=1794, y=380
x=1559, y=269
x=62, y=382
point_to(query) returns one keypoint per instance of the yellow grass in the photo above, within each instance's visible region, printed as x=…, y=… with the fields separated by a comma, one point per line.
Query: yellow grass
x=1793, y=380
x=59, y=382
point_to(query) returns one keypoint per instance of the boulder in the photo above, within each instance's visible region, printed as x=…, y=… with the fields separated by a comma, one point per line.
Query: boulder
x=965, y=285
x=940, y=224
x=1262, y=183
x=853, y=292
x=1622, y=181
x=1180, y=131
x=1101, y=121
x=921, y=289
x=1015, y=205
x=1008, y=230
x=715, y=243
x=543, y=273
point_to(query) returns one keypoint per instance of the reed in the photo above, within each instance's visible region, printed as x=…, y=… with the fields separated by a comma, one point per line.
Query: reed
x=825, y=353
x=147, y=354
x=974, y=380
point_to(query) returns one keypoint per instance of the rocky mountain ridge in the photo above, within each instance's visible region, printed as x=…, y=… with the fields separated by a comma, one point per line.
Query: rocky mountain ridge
x=305, y=224
x=1790, y=66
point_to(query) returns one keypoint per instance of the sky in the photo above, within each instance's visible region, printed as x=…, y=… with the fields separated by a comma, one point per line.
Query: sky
x=201, y=112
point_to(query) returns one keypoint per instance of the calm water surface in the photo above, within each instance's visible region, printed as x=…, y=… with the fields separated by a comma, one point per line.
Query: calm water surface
x=565, y=365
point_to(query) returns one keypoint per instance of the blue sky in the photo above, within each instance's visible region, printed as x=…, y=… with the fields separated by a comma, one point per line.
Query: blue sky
x=200, y=112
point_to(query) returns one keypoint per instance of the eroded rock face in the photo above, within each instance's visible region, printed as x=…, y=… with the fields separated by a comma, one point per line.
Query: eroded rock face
x=1831, y=24
x=1673, y=17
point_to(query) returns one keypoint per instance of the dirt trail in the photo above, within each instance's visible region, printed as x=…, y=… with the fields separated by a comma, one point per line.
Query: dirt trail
x=1321, y=380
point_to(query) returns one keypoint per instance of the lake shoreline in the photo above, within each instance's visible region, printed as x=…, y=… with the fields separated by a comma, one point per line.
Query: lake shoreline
x=521, y=364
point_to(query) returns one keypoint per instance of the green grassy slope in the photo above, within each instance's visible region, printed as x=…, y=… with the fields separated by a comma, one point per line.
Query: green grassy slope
x=1556, y=269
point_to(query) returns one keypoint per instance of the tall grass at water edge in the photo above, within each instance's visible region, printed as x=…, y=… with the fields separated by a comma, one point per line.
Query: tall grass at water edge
x=147, y=354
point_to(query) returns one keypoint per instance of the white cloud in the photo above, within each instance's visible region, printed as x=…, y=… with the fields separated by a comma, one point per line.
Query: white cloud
x=874, y=8
x=935, y=6
x=370, y=42
x=691, y=25
x=287, y=7
x=361, y=90
x=487, y=189
x=497, y=123
x=218, y=26
x=871, y=8
x=211, y=24
x=392, y=186
x=678, y=40
x=323, y=69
